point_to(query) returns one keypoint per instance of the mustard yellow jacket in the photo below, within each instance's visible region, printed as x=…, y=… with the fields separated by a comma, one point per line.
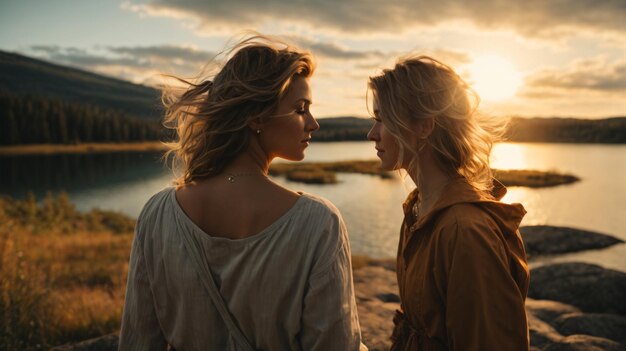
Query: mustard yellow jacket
x=462, y=274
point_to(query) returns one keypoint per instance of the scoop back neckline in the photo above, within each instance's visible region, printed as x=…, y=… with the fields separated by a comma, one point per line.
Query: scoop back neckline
x=262, y=233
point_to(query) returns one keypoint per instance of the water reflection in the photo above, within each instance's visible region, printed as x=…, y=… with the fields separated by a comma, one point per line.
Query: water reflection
x=370, y=205
x=510, y=156
x=74, y=172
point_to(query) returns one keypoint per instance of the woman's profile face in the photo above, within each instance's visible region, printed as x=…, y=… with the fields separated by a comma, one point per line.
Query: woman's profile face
x=288, y=135
x=386, y=144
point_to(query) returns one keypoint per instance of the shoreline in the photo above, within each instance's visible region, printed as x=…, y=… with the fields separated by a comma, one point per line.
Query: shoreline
x=48, y=149
x=82, y=148
x=305, y=172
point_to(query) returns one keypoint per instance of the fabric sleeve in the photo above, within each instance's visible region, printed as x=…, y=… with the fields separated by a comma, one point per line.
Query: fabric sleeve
x=140, y=328
x=330, y=320
x=484, y=305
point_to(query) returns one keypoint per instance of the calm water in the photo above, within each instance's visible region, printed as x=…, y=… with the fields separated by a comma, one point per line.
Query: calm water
x=370, y=205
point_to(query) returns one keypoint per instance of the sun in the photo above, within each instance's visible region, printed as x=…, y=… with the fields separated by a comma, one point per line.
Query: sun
x=494, y=78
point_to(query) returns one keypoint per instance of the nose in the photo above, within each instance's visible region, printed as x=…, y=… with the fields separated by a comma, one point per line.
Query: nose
x=374, y=133
x=312, y=124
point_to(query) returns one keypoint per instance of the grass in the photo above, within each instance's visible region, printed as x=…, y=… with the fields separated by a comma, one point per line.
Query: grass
x=81, y=148
x=312, y=177
x=63, y=272
x=533, y=179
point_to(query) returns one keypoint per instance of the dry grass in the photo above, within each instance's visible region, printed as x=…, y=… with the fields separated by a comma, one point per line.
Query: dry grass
x=59, y=284
x=324, y=172
x=533, y=179
x=312, y=177
x=80, y=148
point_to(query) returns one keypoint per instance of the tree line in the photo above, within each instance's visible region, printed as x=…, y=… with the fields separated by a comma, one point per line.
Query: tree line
x=568, y=130
x=27, y=119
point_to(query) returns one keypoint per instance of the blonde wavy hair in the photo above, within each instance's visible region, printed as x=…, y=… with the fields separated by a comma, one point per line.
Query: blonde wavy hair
x=210, y=116
x=421, y=87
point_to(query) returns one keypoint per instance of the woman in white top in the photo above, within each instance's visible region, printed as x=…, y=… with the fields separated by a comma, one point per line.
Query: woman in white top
x=280, y=259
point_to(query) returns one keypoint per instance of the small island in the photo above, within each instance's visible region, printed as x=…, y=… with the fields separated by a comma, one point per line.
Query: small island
x=533, y=179
x=325, y=173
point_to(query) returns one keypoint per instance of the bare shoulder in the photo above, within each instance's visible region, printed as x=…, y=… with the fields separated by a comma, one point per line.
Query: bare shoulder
x=190, y=198
x=317, y=205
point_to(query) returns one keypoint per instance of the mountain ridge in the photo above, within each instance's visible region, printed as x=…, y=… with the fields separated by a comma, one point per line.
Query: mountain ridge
x=36, y=95
x=22, y=75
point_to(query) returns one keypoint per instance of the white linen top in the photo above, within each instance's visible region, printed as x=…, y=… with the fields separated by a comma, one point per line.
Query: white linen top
x=288, y=287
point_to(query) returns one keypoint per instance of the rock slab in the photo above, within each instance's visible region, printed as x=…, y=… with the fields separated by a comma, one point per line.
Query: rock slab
x=545, y=239
x=589, y=287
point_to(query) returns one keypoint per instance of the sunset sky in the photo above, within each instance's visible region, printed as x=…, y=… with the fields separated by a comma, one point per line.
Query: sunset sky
x=531, y=58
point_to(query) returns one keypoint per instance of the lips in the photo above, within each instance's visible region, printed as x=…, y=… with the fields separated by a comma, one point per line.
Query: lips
x=305, y=140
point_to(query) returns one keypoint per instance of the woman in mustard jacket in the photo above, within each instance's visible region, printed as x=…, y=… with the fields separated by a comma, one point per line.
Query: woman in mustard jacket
x=462, y=269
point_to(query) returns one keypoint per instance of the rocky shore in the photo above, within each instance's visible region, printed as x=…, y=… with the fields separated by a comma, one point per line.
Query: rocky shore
x=571, y=306
x=589, y=321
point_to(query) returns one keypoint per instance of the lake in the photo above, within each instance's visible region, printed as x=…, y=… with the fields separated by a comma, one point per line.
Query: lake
x=370, y=205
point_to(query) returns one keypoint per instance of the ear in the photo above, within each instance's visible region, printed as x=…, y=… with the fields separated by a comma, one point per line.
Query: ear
x=255, y=123
x=424, y=127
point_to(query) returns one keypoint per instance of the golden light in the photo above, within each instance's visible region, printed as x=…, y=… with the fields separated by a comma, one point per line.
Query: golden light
x=494, y=78
x=509, y=156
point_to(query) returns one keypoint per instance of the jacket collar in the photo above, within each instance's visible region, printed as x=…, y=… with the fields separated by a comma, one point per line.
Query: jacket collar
x=458, y=190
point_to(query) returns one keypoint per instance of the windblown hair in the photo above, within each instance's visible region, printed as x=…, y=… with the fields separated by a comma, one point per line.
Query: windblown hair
x=211, y=116
x=421, y=87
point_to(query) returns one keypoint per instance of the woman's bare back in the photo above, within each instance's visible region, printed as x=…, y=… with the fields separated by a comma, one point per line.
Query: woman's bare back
x=235, y=210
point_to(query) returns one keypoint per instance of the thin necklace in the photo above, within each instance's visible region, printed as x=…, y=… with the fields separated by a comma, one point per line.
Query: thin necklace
x=232, y=176
x=415, y=209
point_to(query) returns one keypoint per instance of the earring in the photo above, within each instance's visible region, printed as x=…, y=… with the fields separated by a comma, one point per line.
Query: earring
x=258, y=131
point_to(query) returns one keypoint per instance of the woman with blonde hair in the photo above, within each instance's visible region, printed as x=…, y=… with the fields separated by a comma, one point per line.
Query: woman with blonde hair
x=228, y=259
x=461, y=265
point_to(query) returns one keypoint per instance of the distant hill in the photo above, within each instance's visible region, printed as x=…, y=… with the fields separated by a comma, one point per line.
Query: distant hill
x=568, y=130
x=551, y=130
x=41, y=102
x=25, y=76
x=343, y=128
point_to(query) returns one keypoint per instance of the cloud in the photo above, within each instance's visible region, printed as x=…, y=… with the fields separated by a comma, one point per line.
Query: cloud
x=81, y=58
x=532, y=18
x=138, y=63
x=165, y=52
x=590, y=75
x=335, y=51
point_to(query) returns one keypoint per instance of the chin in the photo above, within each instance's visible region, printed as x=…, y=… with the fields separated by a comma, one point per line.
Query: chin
x=294, y=157
x=387, y=165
